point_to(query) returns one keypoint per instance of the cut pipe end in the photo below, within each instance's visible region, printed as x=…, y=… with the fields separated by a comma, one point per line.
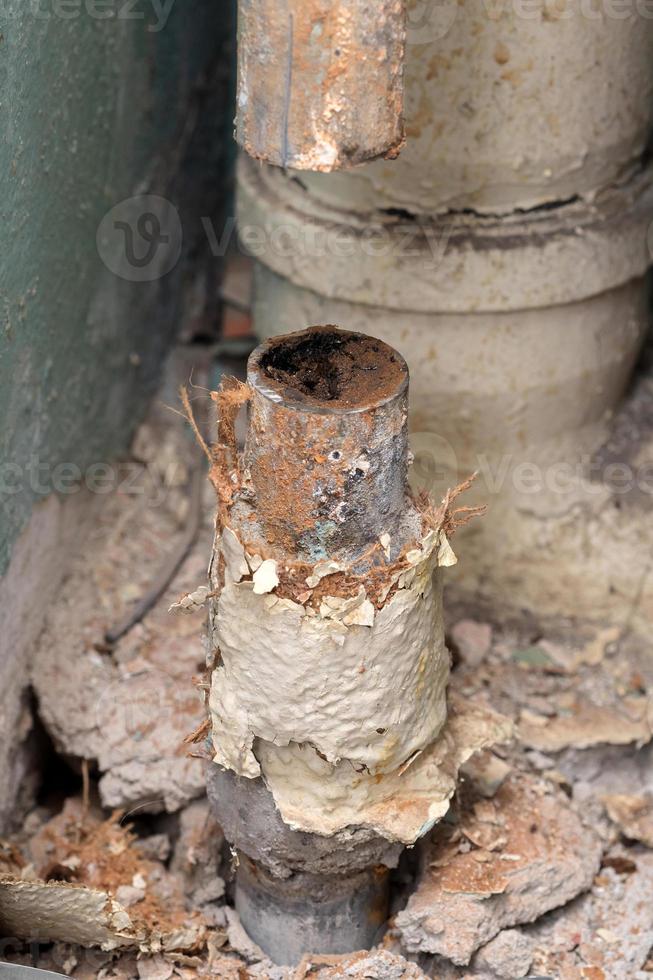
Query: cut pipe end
x=328, y=370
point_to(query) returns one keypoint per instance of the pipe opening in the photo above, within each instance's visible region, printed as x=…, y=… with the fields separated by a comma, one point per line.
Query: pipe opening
x=333, y=367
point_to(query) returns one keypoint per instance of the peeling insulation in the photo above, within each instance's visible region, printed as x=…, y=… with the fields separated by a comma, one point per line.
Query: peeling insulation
x=113, y=897
x=354, y=682
x=59, y=911
x=403, y=805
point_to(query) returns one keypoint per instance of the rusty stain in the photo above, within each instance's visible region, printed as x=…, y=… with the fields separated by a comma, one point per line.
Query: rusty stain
x=320, y=82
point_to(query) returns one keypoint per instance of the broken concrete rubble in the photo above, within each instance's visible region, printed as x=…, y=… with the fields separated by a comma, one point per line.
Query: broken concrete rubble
x=87, y=883
x=129, y=707
x=606, y=934
x=530, y=853
x=378, y=964
x=473, y=640
x=633, y=815
x=197, y=855
x=588, y=724
x=508, y=956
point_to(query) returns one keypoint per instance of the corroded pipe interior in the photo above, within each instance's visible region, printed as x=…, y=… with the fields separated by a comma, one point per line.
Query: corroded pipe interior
x=335, y=368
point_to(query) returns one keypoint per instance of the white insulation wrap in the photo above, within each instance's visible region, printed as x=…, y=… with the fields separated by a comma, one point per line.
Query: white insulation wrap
x=352, y=681
x=312, y=795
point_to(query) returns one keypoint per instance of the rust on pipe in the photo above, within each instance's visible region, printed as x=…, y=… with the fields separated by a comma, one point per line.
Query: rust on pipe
x=327, y=446
x=320, y=82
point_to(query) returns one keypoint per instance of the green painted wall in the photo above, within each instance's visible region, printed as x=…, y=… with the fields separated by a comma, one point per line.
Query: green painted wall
x=92, y=111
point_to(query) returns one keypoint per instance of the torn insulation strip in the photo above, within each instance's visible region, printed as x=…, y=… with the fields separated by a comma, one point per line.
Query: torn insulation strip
x=314, y=796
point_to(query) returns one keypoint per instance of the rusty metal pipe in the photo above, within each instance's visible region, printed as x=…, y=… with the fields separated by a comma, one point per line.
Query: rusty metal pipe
x=320, y=82
x=329, y=669
x=327, y=447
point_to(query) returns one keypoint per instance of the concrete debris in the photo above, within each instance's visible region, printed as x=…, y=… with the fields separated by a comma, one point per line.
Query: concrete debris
x=633, y=815
x=197, y=855
x=473, y=640
x=604, y=935
x=486, y=772
x=155, y=968
x=591, y=654
x=227, y=968
x=240, y=941
x=379, y=964
x=587, y=725
x=130, y=706
x=131, y=710
x=533, y=854
x=607, y=770
x=156, y=847
x=508, y=956
x=69, y=892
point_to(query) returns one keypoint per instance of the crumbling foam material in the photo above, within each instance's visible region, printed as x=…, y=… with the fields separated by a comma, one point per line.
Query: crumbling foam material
x=372, y=694
x=342, y=709
x=314, y=796
x=53, y=911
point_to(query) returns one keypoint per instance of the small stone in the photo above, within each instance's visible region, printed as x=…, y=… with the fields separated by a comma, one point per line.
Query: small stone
x=633, y=815
x=128, y=895
x=486, y=772
x=473, y=640
x=156, y=847
x=508, y=956
x=154, y=968
x=379, y=964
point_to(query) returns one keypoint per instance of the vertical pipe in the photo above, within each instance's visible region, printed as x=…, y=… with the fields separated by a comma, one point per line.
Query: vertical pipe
x=320, y=82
